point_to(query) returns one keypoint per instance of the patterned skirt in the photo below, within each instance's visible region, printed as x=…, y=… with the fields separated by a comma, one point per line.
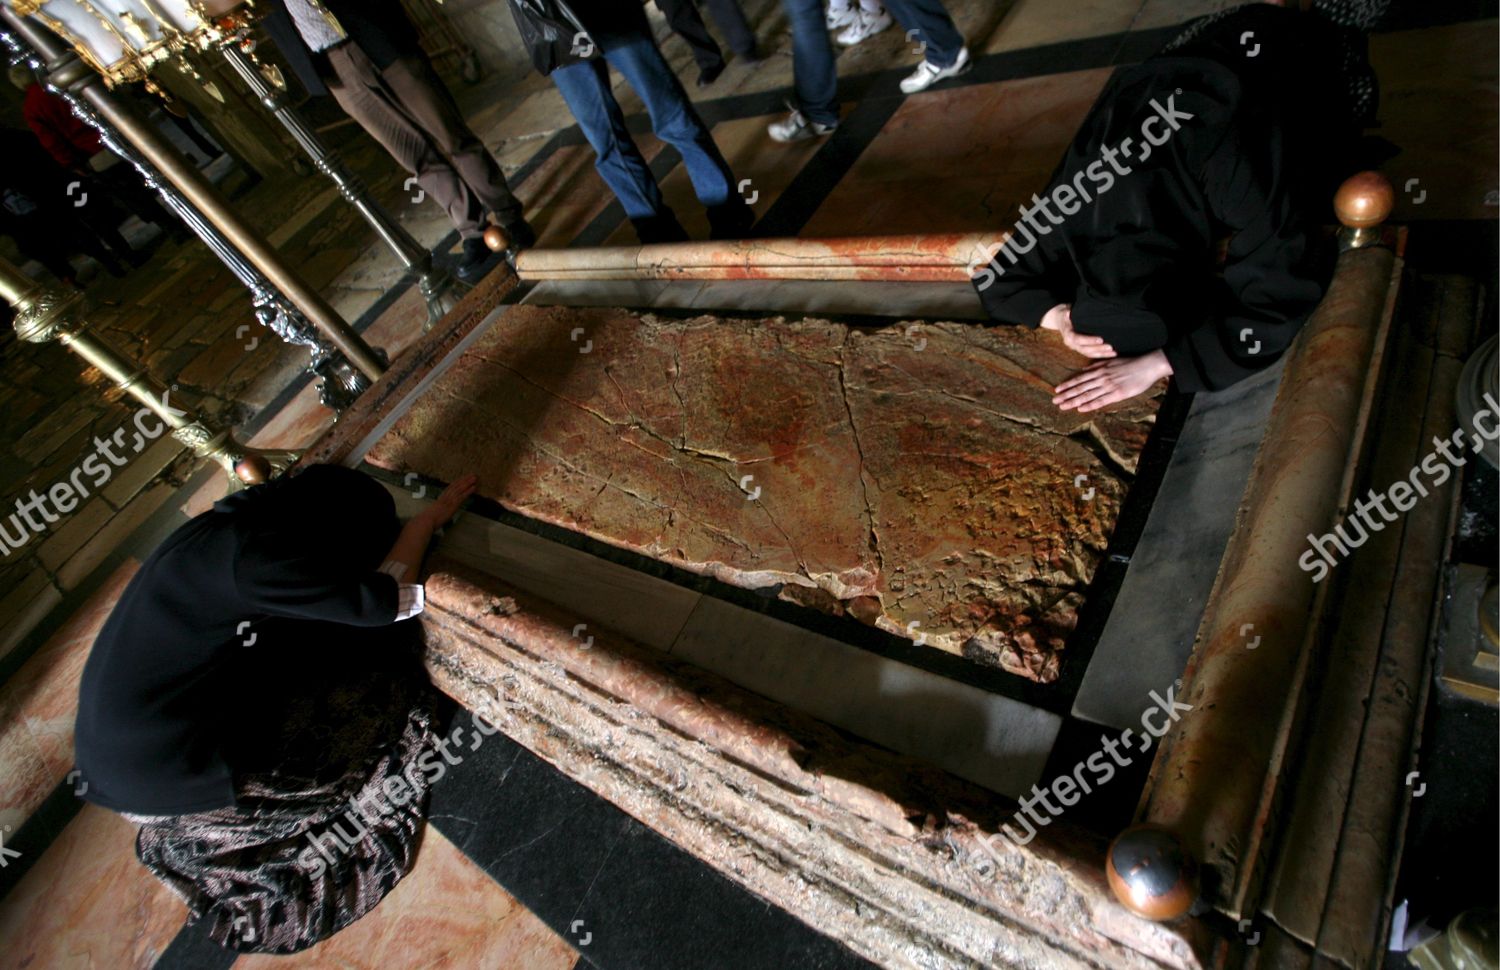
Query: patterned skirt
x=325, y=825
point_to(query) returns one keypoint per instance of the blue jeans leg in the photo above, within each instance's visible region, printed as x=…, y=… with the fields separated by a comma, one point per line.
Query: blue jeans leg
x=673, y=117
x=585, y=87
x=814, y=76
x=929, y=18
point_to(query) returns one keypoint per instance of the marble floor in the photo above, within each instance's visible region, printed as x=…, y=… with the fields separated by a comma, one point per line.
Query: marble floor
x=77, y=898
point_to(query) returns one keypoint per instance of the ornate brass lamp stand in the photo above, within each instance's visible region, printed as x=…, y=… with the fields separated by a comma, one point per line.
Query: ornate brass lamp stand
x=284, y=301
x=44, y=314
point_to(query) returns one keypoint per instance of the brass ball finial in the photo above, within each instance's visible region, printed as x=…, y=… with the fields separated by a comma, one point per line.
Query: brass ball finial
x=253, y=470
x=1364, y=200
x=496, y=239
x=1151, y=873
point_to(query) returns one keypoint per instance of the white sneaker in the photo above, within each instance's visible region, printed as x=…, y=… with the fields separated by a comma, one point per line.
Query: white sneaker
x=798, y=127
x=927, y=73
x=864, y=27
x=838, y=17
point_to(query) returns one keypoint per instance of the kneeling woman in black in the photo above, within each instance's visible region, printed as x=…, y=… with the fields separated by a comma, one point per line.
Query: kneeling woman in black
x=258, y=685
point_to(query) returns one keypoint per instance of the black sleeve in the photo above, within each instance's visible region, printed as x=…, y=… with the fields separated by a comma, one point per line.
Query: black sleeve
x=1021, y=292
x=1272, y=281
x=315, y=589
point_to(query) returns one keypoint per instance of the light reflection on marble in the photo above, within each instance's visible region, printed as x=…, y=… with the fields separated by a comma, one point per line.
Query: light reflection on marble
x=1015, y=134
x=87, y=902
x=39, y=703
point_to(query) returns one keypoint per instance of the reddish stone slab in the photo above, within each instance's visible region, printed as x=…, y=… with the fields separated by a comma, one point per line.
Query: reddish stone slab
x=916, y=476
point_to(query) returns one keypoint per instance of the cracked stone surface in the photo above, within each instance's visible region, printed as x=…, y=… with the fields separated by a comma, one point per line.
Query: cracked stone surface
x=916, y=477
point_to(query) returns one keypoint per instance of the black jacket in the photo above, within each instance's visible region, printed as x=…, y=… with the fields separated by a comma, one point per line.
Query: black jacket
x=171, y=689
x=551, y=30
x=1257, y=145
x=380, y=28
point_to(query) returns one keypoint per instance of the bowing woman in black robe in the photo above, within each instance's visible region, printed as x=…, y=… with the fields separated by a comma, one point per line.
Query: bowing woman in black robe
x=1242, y=128
x=251, y=696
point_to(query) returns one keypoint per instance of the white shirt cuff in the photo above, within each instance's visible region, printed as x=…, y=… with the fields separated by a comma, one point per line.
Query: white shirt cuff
x=411, y=599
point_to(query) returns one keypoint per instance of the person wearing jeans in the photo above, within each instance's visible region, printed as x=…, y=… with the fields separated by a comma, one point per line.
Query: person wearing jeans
x=686, y=22
x=815, y=78
x=624, y=43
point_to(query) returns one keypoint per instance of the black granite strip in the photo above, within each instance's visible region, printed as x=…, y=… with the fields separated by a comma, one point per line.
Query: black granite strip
x=1110, y=807
x=1104, y=588
x=192, y=949
x=622, y=895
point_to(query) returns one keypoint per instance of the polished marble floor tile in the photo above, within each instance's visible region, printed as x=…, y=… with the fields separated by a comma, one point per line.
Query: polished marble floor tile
x=1032, y=23
x=39, y=703
x=1439, y=103
x=1015, y=134
x=87, y=902
x=445, y=913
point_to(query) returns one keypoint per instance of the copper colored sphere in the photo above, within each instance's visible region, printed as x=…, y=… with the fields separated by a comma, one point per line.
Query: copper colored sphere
x=1364, y=200
x=1151, y=873
x=253, y=470
x=495, y=238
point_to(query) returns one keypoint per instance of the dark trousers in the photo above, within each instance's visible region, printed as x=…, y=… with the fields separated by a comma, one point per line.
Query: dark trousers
x=50, y=234
x=122, y=184
x=686, y=22
x=406, y=108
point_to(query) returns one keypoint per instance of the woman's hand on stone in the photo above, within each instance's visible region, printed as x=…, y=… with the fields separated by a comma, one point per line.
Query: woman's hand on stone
x=1060, y=318
x=448, y=503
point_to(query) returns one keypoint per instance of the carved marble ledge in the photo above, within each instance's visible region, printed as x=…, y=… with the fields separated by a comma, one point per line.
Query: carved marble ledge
x=916, y=477
x=898, y=860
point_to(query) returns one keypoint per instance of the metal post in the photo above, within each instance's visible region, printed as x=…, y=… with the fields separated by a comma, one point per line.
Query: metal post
x=67, y=72
x=438, y=288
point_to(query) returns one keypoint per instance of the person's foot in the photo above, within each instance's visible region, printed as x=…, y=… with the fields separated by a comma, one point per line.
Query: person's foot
x=927, y=73
x=751, y=58
x=732, y=220
x=476, y=261
x=864, y=27
x=840, y=17
x=660, y=228
x=798, y=127
x=709, y=75
x=519, y=232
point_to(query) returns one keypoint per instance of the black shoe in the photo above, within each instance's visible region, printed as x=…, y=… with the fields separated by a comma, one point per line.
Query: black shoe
x=732, y=220
x=476, y=261
x=709, y=75
x=660, y=228
x=520, y=234
x=751, y=58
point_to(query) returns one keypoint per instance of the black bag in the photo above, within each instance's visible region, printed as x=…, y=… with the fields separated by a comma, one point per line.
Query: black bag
x=552, y=34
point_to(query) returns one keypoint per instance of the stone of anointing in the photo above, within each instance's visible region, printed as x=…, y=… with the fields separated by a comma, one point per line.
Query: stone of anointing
x=917, y=477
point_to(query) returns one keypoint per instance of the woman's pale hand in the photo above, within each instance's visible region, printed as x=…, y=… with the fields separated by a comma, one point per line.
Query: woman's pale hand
x=448, y=503
x=1111, y=381
x=1060, y=318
